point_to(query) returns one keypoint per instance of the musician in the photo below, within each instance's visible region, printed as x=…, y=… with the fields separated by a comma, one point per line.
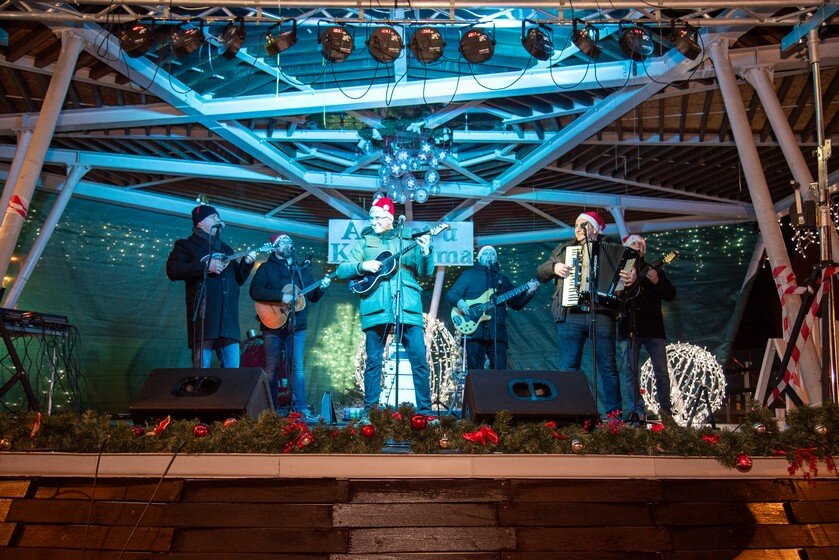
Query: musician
x=379, y=307
x=219, y=316
x=490, y=340
x=271, y=277
x=573, y=322
x=642, y=324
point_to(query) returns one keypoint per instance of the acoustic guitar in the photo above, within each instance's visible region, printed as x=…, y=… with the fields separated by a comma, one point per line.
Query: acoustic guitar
x=274, y=314
x=467, y=324
x=370, y=280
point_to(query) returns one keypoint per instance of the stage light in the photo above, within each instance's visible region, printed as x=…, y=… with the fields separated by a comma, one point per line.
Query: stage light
x=477, y=46
x=385, y=44
x=336, y=44
x=586, y=39
x=232, y=38
x=278, y=41
x=637, y=43
x=536, y=42
x=427, y=44
x=684, y=40
x=186, y=41
x=136, y=39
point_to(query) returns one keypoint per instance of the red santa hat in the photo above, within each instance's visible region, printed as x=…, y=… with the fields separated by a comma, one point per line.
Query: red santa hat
x=385, y=204
x=594, y=219
x=630, y=239
x=277, y=236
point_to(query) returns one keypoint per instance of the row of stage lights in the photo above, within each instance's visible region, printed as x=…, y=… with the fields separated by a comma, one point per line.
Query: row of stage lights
x=385, y=44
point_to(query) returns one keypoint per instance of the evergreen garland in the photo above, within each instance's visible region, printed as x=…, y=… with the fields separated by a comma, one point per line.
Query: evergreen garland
x=811, y=436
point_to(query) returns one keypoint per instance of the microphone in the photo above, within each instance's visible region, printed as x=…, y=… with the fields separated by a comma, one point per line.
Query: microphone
x=401, y=220
x=219, y=225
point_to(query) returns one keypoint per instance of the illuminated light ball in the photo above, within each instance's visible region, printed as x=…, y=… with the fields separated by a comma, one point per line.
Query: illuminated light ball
x=368, y=431
x=426, y=148
x=421, y=195
x=419, y=421
x=388, y=160
x=432, y=177
x=387, y=180
x=576, y=446
x=414, y=164
x=423, y=157
x=435, y=189
x=5, y=444
x=403, y=166
x=201, y=430
x=409, y=182
x=402, y=198
x=444, y=442
x=744, y=463
x=433, y=162
x=396, y=169
x=442, y=153
x=393, y=192
x=820, y=429
x=403, y=155
x=229, y=423
x=691, y=368
x=384, y=170
x=138, y=431
x=759, y=428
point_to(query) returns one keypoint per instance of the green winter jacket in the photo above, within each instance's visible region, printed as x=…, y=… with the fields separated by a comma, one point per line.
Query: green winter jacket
x=377, y=306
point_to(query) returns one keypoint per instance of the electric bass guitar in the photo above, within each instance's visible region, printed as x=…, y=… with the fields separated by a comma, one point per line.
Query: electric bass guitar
x=274, y=314
x=370, y=280
x=469, y=323
x=226, y=259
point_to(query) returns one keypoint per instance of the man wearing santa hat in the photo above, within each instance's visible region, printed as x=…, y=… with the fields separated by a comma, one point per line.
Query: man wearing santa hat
x=643, y=325
x=489, y=341
x=215, y=325
x=382, y=312
x=573, y=323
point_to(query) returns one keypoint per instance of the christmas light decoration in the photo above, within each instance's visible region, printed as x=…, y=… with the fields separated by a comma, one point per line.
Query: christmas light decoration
x=693, y=372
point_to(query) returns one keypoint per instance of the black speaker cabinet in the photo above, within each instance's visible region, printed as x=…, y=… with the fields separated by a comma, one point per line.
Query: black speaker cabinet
x=208, y=394
x=562, y=396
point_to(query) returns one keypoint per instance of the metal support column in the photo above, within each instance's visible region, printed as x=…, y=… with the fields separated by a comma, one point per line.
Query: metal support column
x=23, y=138
x=765, y=214
x=71, y=46
x=830, y=377
x=620, y=222
x=73, y=177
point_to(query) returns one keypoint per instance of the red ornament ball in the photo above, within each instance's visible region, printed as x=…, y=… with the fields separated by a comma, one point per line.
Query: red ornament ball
x=230, y=422
x=744, y=463
x=201, y=430
x=137, y=431
x=419, y=421
x=396, y=416
x=368, y=431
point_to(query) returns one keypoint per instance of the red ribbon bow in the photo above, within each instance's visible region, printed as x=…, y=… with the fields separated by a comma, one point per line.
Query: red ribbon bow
x=483, y=435
x=712, y=440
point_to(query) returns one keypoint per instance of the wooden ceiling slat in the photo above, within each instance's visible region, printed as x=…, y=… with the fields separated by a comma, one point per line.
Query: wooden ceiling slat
x=806, y=92
x=706, y=109
x=48, y=55
x=22, y=88
x=20, y=47
x=828, y=96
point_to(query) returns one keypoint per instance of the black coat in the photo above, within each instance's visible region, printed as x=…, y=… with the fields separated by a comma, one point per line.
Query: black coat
x=222, y=309
x=472, y=283
x=268, y=283
x=642, y=313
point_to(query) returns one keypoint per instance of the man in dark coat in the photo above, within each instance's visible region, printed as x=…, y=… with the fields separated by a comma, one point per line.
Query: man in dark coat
x=219, y=315
x=279, y=271
x=490, y=339
x=643, y=325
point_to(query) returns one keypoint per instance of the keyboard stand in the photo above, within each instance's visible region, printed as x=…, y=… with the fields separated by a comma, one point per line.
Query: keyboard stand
x=20, y=372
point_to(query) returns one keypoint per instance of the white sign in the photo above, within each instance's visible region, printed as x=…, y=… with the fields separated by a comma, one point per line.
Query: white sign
x=452, y=247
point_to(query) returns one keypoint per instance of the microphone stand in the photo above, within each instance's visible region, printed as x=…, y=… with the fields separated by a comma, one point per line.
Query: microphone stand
x=492, y=270
x=593, y=273
x=397, y=312
x=201, y=305
x=292, y=324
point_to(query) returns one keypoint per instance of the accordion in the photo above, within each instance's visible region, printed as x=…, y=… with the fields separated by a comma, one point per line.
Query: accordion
x=605, y=263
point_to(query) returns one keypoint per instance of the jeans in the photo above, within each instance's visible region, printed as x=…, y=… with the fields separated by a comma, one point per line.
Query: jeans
x=573, y=333
x=276, y=346
x=477, y=351
x=413, y=338
x=228, y=355
x=630, y=372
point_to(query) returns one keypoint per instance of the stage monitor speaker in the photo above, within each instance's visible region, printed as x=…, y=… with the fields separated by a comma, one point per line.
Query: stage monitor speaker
x=207, y=394
x=562, y=396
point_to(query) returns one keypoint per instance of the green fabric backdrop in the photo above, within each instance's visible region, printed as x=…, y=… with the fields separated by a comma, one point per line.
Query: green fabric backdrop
x=105, y=269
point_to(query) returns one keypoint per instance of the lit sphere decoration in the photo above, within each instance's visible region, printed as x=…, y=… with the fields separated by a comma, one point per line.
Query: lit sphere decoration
x=444, y=356
x=691, y=368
